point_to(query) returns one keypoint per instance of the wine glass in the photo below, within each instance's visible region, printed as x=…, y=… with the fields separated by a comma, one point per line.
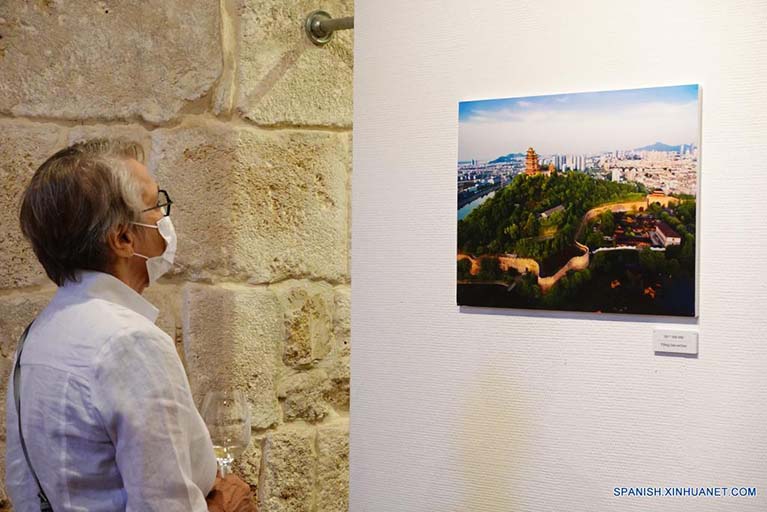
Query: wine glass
x=227, y=415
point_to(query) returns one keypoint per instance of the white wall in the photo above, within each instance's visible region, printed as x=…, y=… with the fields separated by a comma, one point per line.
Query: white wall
x=500, y=410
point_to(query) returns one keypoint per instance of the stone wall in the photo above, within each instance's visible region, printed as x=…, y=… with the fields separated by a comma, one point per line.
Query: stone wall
x=248, y=125
x=575, y=263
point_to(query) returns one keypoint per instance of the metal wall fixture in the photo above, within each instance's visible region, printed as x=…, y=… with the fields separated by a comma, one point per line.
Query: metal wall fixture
x=320, y=26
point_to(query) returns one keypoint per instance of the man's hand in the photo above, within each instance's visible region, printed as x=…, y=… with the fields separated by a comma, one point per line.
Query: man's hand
x=230, y=494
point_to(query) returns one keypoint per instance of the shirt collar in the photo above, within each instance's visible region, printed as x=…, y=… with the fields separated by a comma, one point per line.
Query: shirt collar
x=107, y=287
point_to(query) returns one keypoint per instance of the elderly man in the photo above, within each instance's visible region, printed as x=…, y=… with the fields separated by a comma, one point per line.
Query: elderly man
x=107, y=417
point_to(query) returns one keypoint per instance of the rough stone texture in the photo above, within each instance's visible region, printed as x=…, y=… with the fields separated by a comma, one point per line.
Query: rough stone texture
x=167, y=298
x=223, y=95
x=342, y=320
x=338, y=392
x=303, y=395
x=283, y=78
x=231, y=339
x=248, y=465
x=6, y=366
x=337, y=365
x=289, y=464
x=23, y=147
x=16, y=311
x=333, y=467
x=308, y=322
x=84, y=59
x=255, y=204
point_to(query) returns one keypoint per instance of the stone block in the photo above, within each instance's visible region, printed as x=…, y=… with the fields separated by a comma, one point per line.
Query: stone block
x=342, y=328
x=6, y=366
x=333, y=467
x=23, y=147
x=253, y=204
x=107, y=60
x=167, y=298
x=303, y=395
x=338, y=391
x=248, y=465
x=308, y=309
x=336, y=364
x=232, y=335
x=284, y=79
x=16, y=311
x=289, y=464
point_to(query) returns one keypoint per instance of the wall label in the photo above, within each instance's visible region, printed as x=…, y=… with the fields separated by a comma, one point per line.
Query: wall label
x=674, y=341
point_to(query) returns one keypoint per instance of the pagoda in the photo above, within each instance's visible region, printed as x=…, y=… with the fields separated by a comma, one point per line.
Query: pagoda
x=532, y=167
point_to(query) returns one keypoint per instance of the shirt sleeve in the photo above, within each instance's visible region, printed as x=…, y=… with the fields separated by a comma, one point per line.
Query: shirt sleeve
x=161, y=443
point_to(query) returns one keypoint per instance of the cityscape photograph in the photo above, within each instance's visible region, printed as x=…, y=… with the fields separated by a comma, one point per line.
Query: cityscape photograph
x=580, y=202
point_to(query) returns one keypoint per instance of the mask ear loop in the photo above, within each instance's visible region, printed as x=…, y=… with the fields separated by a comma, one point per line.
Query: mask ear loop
x=146, y=226
x=154, y=226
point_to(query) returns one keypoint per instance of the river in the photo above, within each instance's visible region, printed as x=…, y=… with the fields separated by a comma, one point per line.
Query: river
x=463, y=212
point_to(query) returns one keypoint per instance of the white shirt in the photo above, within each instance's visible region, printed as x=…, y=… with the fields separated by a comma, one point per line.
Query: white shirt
x=107, y=413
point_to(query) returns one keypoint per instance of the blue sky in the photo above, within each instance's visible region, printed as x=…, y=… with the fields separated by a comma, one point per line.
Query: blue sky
x=579, y=122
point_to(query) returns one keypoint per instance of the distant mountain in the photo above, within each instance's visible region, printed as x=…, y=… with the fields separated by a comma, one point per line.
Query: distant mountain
x=507, y=158
x=659, y=146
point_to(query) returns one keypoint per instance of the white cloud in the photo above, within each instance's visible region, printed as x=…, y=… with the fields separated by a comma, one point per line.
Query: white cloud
x=489, y=134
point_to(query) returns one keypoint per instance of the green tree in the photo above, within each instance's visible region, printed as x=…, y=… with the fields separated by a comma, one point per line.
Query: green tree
x=594, y=240
x=489, y=269
x=464, y=269
x=511, y=215
x=531, y=225
x=607, y=223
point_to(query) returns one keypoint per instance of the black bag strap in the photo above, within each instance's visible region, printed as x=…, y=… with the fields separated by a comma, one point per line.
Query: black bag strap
x=45, y=505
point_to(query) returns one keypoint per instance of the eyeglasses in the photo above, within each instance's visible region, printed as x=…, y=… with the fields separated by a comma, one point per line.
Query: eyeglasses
x=163, y=203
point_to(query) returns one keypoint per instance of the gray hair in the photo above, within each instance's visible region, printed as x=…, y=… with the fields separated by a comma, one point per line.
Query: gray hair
x=74, y=200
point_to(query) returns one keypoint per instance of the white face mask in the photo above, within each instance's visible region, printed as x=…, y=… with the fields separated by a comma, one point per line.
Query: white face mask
x=156, y=266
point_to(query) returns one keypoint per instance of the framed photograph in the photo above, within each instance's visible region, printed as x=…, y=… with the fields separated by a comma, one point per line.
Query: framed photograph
x=580, y=202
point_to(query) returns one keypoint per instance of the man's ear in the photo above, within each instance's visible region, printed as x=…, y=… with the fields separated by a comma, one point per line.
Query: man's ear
x=122, y=240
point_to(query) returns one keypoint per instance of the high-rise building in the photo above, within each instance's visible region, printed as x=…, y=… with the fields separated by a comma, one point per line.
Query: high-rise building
x=580, y=163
